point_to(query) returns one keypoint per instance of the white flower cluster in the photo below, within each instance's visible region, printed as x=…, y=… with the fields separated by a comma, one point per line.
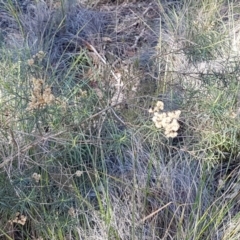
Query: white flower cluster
x=166, y=120
x=19, y=218
x=36, y=177
x=38, y=57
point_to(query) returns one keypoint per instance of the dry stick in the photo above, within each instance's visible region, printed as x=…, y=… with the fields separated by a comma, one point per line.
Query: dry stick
x=26, y=148
x=153, y=213
x=147, y=9
x=143, y=14
x=143, y=30
x=114, y=75
x=130, y=26
x=91, y=47
x=137, y=39
x=104, y=110
x=117, y=117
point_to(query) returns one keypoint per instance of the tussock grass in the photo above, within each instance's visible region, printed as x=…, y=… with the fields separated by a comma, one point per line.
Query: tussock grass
x=110, y=132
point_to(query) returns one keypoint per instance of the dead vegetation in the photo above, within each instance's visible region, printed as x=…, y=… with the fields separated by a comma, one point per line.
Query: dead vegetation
x=81, y=151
